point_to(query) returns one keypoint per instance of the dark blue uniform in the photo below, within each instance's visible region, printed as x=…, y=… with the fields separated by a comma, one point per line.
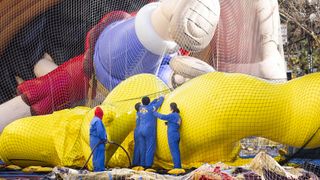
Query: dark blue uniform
x=136, y=153
x=148, y=127
x=173, y=123
x=97, y=135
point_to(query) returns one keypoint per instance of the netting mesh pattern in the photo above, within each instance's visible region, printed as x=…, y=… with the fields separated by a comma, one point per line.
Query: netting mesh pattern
x=241, y=36
x=217, y=111
x=29, y=29
x=45, y=140
x=62, y=138
x=59, y=28
x=235, y=106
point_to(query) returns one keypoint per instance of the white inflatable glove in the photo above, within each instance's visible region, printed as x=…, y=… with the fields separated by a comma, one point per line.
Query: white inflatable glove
x=44, y=66
x=189, y=67
x=272, y=66
x=186, y=68
x=193, y=23
x=178, y=79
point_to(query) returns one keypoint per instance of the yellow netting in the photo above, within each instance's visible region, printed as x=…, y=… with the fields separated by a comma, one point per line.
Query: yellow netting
x=217, y=111
x=62, y=138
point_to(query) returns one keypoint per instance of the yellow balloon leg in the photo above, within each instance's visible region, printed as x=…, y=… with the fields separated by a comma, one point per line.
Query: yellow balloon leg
x=219, y=109
x=44, y=140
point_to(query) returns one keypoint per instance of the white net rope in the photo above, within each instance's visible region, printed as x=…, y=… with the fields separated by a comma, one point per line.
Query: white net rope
x=59, y=29
x=29, y=30
x=59, y=32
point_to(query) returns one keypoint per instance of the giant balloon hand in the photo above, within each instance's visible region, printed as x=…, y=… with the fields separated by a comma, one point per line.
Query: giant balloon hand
x=248, y=46
x=217, y=109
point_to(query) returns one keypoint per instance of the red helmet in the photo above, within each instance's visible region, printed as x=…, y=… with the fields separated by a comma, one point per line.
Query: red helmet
x=98, y=113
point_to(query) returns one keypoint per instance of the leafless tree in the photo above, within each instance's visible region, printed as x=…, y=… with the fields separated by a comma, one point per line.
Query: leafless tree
x=305, y=14
x=303, y=20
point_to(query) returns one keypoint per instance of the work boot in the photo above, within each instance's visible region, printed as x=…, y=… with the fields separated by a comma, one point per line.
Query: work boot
x=176, y=171
x=138, y=168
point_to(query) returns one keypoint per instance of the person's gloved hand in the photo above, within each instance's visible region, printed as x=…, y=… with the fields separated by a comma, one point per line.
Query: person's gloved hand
x=60, y=89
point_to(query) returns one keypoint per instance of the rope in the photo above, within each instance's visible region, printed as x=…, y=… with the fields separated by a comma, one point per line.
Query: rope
x=94, y=148
x=293, y=155
x=135, y=98
x=110, y=142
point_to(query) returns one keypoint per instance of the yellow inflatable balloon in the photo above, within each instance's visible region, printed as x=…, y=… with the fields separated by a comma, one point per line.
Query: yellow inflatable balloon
x=220, y=109
x=62, y=138
x=217, y=111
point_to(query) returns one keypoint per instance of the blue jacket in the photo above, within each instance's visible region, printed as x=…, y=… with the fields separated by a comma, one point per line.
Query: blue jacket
x=97, y=134
x=147, y=119
x=173, y=119
x=137, y=128
x=97, y=129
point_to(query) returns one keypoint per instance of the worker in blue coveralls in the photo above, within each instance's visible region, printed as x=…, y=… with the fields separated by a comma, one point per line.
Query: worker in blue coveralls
x=136, y=154
x=173, y=122
x=148, y=128
x=98, y=138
